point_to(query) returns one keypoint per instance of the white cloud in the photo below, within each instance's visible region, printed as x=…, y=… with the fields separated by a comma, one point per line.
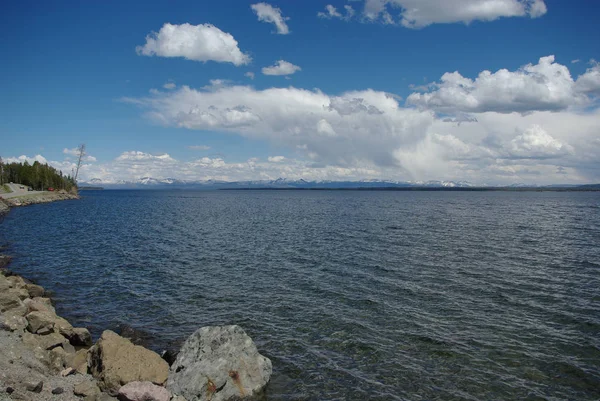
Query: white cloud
x=575, y=61
x=249, y=74
x=75, y=152
x=535, y=142
x=204, y=42
x=30, y=160
x=589, y=82
x=216, y=84
x=281, y=67
x=169, y=85
x=370, y=133
x=332, y=12
x=138, y=156
x=270, y=14
x=354, y=126
x=276, y=159
x=421, y=13
x=543, y=86
x=199, y=147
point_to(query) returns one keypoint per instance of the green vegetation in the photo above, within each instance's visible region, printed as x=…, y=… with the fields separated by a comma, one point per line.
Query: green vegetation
x=38, y=176
x=6, y=188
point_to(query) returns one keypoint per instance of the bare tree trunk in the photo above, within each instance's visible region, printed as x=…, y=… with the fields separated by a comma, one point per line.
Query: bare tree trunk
x=81, y=151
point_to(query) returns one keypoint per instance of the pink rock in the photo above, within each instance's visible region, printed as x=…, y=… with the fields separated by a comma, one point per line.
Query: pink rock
x=143, y=391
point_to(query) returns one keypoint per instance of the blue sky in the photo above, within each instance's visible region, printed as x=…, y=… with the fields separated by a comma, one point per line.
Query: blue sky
x=361, y=91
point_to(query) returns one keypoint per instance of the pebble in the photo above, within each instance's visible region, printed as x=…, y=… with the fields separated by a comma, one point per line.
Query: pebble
x=35, y=387
x=58, y=390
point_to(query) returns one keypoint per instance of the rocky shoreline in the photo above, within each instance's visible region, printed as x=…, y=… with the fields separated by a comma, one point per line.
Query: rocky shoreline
x=26, y=200
x=43, y=357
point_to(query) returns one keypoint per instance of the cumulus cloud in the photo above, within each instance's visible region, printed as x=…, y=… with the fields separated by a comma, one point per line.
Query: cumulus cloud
x=589, y=82
x=535, y=87
x=421, y=13
x=75, y=152
x=169, y=85
x=331, y=12
x=23, y=158
x=535, y=142
x=370, y=133
x=276, y=159
x=267, y=13
x=357, y=125
x=204, y=42
x=249, y=74
x=281, y=67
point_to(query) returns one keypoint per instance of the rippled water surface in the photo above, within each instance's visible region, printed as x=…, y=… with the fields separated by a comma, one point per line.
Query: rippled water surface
x=353, y=295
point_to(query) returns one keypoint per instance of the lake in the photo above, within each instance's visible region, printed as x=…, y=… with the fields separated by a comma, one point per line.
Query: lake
x=353, y=295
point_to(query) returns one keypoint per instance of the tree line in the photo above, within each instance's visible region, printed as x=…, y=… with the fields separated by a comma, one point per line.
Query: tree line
x=38, y=176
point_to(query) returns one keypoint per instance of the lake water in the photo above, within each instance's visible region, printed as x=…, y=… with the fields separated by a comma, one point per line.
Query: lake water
x=353, y=295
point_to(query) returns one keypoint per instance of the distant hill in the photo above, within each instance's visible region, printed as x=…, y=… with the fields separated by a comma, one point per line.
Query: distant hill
x=283, y=183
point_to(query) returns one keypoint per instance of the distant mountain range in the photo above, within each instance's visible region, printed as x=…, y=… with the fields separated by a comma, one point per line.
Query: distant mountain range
x=283, y=183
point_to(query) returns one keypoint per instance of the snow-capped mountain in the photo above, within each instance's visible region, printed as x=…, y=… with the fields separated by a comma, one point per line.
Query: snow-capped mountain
x=150, y=182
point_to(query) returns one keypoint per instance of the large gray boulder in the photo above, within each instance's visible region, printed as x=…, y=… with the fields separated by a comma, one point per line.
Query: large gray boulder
x=219, y=363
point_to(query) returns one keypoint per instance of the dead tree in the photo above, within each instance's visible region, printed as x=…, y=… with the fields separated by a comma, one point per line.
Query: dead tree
x=81, y=155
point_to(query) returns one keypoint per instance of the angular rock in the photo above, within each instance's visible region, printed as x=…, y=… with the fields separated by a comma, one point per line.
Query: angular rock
x=66, y=372
x=219, y=363
x=58, y=358
x=35, y=290
x=9, y=300
x=16, y=282
x=51, y=341
x=39, y=320
x=4, y=284
x=12, y=322
x=86, y=389
x=115, y=361
x=38, y=304
x=79, y=361
x=35, y=387
x=45, y=330
x=143, y=391
x=80, y=336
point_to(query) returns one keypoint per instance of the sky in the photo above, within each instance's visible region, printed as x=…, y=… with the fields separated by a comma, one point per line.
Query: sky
x=493, y=92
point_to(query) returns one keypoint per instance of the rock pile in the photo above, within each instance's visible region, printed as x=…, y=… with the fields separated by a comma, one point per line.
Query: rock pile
x=43, y=357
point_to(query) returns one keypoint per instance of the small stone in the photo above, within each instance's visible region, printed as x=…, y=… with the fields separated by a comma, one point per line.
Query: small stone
x=67, y=372
x=58, y=390
x=86, y=389
x=45, y=330
x=143, y=391
x=10, y=390
x=35, y=387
